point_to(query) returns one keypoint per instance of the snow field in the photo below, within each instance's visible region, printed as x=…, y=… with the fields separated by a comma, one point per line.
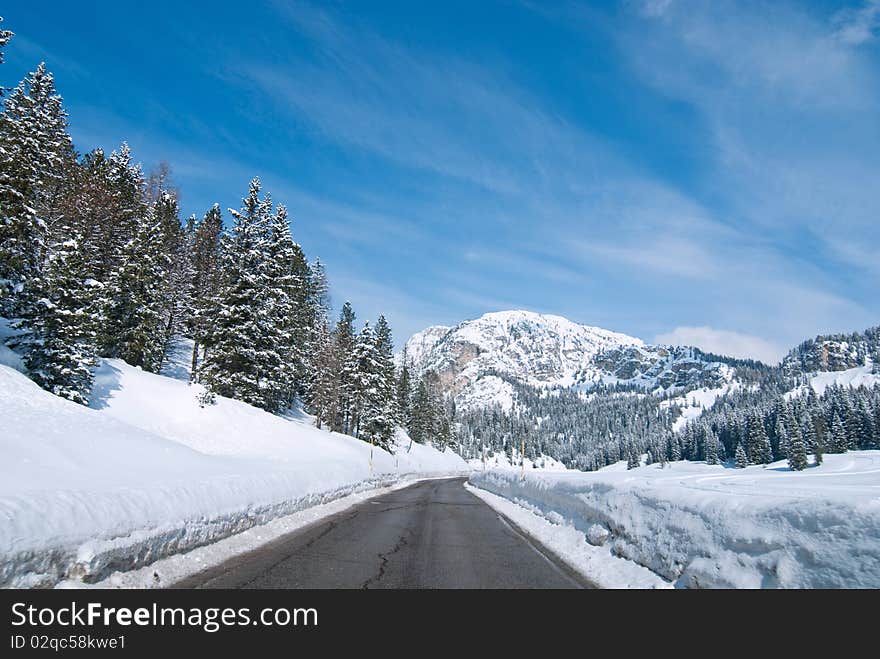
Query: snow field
x=705, y=526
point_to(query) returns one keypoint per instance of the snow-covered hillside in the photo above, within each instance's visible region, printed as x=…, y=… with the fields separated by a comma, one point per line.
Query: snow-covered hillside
x=860, y=376
x=693, y=403
x=549, y=351
x=148, y=472
x=705, y=526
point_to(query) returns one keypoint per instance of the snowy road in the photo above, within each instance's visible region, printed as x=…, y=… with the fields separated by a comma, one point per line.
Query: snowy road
x=434, y=534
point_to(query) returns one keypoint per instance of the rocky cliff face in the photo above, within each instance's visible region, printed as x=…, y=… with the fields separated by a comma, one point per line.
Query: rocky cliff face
x=837, y=352
x=475, y=358
x=657, y=366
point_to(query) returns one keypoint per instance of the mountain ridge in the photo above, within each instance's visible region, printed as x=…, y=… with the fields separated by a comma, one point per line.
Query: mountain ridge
x=474, y=358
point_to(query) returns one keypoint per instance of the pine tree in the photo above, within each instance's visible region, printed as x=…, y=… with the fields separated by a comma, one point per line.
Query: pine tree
x=207, y=279
x=344, y=340
x=429, y=419
x=304, y=314
x=404, y=391
x=838, y=442
x=632, y=459
x=135, y=299
x=240, y=351
x=178, y=244
x=61, y=351
x=758, y=442
x=35, y=149
x=387, y=393
x=421, y=421
x=364, y=404
x=808, y=432
x=310, y=340
x=115, y=207
x=101, y=200
x=852, y=423
x=674, y=448
x=320, y=292
x=819, y=449
x=742, y=460
x=712, y=457
x=781, y=435
x=282, y=297
x=323, y=386
x=797, y=454
x=5, y=36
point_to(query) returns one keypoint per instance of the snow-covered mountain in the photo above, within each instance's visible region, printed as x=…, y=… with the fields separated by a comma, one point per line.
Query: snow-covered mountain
x=475, y=359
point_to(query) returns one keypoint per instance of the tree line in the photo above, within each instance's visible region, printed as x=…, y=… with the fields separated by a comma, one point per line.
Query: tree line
x=96, y=262
x=772, y=416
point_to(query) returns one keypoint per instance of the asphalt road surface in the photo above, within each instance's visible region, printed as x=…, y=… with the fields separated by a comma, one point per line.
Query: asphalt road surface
x=434, y=534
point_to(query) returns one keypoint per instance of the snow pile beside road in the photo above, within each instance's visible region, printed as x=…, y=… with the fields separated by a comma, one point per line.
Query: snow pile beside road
x=149, y=473
x=712, y=527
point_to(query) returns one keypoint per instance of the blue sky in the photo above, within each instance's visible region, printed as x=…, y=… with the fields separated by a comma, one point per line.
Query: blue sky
x=681, y=171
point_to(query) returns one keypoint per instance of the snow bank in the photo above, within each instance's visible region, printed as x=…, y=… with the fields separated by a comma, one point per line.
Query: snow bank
x=596, y=564
x=169, y=571
x=708, y=526
x=148, y=473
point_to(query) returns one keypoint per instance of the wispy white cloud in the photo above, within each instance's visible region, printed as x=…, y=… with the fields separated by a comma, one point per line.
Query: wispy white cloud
x=856, y=26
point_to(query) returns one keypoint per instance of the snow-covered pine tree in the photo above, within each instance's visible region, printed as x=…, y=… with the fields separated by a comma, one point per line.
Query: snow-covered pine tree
x=35, y=149
x=404, y=390
x=304, y=314
x=758, y=442
x=323, y=386
x=319, y=291
x=421, y=418
x=135, y=298
x=240, y=354
x=206, y=280
x=5, y=36
x=117, y=217
x=446, y=435
x=428, y=412
x=781, y=436
x=838, y=436
x=102, y=201
x=178, y=246
x=283, y=299
x=740, y=457
x=632, y=459
x=365, y=406
x=344, y=340
x=808, y=432
x=383, y=422
x=61, y=350
x=674, y=448
x=819, y=448
x=852, y=421
x=797, y=453
x=317, y=314
x=711, y=450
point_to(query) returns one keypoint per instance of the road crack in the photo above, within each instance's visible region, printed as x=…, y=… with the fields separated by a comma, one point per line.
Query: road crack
x=384, y=560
